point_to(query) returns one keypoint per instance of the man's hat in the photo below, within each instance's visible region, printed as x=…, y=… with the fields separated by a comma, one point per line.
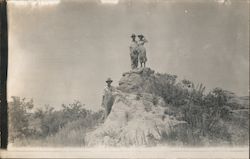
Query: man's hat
x=140, y=36
x=133, y=35
x=109, y=80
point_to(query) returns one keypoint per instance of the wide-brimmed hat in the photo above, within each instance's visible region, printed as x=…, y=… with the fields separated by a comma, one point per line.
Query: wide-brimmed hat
x=133, y=35
x=140, y=36
x=109, y=80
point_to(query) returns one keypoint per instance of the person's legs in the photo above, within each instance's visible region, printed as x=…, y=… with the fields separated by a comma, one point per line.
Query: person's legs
x=109, y=110
x=109, y=106
x=132, y=61
x=136, y=61
x=141, y=62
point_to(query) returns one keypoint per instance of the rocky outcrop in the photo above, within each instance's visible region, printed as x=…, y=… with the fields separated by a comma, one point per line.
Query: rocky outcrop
x=134, y=120
x=140, y=116
x=137, y=117
x=137, y=81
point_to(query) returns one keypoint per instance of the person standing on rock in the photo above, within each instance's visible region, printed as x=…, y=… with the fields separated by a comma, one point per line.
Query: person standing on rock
x=133, y=52
x=142, y=50
x=108, y=97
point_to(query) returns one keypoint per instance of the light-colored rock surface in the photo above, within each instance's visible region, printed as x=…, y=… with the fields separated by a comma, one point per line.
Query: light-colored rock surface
x=137, y=117
x=137, y=80
x=133, y=121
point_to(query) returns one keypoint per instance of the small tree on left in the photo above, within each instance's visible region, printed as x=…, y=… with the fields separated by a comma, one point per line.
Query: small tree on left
x=19, y=115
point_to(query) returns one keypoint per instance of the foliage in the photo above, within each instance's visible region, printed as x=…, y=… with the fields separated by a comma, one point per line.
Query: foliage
x=205, y=114
x=47, y=124
x=73, y=133
x=19, y=113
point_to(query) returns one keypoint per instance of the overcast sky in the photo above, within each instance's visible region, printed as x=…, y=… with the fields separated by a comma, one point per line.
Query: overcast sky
x=64, y=52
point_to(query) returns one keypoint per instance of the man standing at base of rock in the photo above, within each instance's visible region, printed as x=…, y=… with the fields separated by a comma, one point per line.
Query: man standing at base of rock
x=133, y=52
x=108, y=97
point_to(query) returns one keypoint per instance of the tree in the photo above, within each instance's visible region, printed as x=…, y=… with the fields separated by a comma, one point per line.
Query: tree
x=19, y=115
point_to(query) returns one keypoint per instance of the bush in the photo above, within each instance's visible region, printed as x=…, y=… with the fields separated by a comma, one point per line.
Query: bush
x=205, y=114
x=19, y=115
x=45, y=126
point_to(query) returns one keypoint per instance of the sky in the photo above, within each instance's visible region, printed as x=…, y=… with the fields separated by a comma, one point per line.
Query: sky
x=64, y=51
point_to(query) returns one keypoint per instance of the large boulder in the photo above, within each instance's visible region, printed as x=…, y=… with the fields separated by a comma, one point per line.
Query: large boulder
x=137, y=80
x=138, y=116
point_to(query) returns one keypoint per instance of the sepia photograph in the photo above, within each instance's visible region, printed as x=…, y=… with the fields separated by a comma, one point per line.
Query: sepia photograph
x=162, y=77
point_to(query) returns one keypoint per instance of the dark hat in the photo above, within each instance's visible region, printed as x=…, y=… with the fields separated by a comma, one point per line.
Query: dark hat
x=133, y=35
x=140, y=35
x=109, y=80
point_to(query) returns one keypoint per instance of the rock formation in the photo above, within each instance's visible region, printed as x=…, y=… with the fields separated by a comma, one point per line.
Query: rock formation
x=137, y=116
x=140, y=116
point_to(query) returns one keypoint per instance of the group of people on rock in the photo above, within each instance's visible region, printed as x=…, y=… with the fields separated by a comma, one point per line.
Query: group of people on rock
x=138, y=51
x=137, y=54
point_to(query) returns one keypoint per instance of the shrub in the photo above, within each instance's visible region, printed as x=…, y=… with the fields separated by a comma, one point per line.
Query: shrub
x=19, y=115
